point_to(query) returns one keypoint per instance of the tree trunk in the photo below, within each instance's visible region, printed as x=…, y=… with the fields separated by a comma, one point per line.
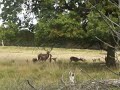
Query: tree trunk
x=2, y=43
x=110, y=59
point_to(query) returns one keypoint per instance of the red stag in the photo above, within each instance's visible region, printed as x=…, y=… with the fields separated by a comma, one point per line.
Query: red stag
x=44, y=57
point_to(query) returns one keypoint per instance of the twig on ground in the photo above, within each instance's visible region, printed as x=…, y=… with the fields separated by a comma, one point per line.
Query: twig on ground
x=113, y=72
x=31, y=85
x=87, y=74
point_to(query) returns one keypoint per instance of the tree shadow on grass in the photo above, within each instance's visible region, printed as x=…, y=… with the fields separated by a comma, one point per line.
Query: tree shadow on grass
x=98, y=66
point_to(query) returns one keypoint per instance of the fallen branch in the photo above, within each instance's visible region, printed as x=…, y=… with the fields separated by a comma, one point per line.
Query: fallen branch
x=31, y=85
x=111, y=82
x=113, y=72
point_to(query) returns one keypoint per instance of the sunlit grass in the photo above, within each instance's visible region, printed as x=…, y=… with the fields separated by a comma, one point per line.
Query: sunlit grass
x=13, y=75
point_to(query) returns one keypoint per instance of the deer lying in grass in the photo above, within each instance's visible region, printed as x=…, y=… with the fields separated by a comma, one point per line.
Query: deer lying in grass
x=34, y=60
x=44, y=57
x=95, y=60
x=75, y=59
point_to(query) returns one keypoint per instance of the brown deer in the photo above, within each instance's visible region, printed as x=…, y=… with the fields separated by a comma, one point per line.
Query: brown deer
x=95, y=60
x=75, y=59
x=34, y=60
x=44, y=57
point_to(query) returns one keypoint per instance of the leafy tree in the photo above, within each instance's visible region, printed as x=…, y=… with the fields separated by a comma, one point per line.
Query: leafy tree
x=106, y=10
x=24, y=38
x=10, y=10
x=108, y=14
x=18, y=12
x=8, y=33
x=55, y=19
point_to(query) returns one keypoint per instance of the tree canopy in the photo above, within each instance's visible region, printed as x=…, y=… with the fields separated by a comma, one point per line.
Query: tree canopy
x=66, y=19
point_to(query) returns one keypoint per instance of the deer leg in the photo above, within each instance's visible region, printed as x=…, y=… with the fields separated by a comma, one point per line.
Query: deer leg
x=50, y=60
x=50, y=57
x=54, y=60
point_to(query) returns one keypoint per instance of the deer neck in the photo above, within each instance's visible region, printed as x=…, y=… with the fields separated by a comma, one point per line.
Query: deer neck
x=48, y=54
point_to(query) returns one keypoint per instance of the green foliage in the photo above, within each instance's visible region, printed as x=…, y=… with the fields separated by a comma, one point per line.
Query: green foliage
x=58, y=30
x=97, y=27
x=41, y=33
x=10, y=10
x=25, y=38
x=11, y=35
x=8, y=33
x=65, y=26
x=60, y=22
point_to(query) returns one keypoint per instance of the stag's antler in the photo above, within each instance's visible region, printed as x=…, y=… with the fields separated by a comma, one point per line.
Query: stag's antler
x=49, y=49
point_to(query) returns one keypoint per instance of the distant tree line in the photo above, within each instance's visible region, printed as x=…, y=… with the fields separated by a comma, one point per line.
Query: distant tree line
x=11, y=36
x=70, y=34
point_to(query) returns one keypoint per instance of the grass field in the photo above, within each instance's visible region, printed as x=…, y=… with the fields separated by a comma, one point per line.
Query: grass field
x=14, y=70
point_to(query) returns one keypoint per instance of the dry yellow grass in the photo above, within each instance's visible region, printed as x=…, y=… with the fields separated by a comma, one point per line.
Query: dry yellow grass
x=13, y=75
x=27, y=53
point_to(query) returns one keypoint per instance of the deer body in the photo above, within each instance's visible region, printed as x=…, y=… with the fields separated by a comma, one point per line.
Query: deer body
x=75, y=59
x=34, y=60
x=43, y=57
